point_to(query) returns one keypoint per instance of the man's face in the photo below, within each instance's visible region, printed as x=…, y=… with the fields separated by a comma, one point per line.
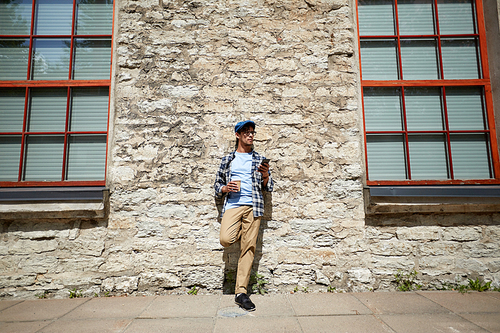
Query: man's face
x=246, y=135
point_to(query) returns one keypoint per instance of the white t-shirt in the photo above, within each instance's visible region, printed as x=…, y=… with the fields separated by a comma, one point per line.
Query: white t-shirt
x=241, y=168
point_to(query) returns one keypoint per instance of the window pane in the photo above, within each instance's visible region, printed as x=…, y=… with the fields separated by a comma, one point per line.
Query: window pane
x=379, y=60
x=44, y=157
x=94, y=17
x=15, y=17
x=53, y=17
x=89, y=110
x=460, y=58
x=14, y=55
x=92, y=59
x=86, y=157
x=386, y=157
x=383, y=109
x=455, y=17
x=51, y=59
x=470, y=156
x=47, y=110
x=416, y=17
x=465, y=108
x=423, y=109
x=11, y=110
x=10, y=152
x=376, y=17
x=419, y=59
x=428, y=158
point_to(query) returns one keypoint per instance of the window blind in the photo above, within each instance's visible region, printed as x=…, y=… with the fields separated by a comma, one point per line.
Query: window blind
x=86, y=157
x=386, y=157
x=11, y=110
x=416, y=17
x=89, y=109
x=47, y=110
x=470, y=154
x=379, y=60
x=428, y=156
x=460, y=58
x=424, y=109
x=383, y=109
x=10, y=151
x=51, y=59
x=15, y=17
x=456, y=17
x=376, y=17
x=419, y=59
x=44, y=156
x=92, y=59
x=465, y=108
x=53, y=17
x=14, y=54
x=94, y=17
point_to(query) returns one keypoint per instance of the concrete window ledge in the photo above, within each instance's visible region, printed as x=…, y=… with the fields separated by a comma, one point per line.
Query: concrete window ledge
x=432, y=199
x=56, y=203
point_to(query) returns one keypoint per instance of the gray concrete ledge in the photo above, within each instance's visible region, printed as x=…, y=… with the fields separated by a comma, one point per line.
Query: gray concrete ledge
x=66, y=210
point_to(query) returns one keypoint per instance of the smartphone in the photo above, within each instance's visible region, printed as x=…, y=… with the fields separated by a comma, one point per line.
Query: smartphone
x=266, y=160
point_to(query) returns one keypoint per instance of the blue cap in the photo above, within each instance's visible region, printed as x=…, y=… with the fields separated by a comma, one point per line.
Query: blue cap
x=241, y=124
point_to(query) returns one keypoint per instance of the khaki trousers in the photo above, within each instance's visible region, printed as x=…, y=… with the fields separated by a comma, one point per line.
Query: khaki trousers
x=240, y=224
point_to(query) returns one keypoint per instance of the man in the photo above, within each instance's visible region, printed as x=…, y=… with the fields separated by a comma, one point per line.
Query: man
x=243, y=204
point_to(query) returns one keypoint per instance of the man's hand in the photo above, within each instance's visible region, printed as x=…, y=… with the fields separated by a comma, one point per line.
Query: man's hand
x=264, y=170
x=230, y=187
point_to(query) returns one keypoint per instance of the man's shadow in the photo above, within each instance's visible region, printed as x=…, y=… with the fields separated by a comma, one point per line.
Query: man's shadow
x=231, y=254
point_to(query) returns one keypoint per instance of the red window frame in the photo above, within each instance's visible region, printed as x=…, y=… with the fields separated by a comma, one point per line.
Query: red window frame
x=483, y=82
x=69, y=84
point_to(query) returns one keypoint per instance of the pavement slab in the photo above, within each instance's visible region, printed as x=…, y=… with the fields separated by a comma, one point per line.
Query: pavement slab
x=344, y=324
x=172, y=325
x=251, y=323
x=327, y=304
x=394, y=303
x=495, y=294
x=110, y=307
x=471, y=302
x=39, y=310
x=182, y=307
x=7, y=304
x=87, y=326
x=24, y=326
x=488, y=321
x=427, y=322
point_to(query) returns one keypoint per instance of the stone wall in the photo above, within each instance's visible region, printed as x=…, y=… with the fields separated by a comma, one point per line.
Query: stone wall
x=185, y=73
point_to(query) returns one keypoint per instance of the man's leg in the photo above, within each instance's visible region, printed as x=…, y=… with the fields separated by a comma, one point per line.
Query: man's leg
x=230, y=228
x=249, y=232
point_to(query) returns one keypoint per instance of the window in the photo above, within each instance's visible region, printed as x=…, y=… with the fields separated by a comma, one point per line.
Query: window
x=55, y=64
x=427, y=101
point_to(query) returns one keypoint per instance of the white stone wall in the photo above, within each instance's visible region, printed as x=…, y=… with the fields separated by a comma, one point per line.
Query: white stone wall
x=185, y=73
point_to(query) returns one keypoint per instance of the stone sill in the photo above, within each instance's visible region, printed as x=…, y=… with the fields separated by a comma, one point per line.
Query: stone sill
x=54, y=203
x=93, y=210
x=379, y=205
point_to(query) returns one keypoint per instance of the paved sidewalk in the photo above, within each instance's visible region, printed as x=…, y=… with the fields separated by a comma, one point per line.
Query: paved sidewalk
x=436, y=311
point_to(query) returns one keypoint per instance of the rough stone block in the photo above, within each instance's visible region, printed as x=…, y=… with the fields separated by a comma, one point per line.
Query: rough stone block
x=462, y=234
x=418, y=233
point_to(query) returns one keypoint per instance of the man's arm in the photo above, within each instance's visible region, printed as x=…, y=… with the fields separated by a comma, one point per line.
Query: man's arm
x=220, y=180
x=221, y=185
x=267, y=181
x=269, y=184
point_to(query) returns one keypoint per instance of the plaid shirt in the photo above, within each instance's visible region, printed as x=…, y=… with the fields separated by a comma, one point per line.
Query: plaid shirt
x=223, y=177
